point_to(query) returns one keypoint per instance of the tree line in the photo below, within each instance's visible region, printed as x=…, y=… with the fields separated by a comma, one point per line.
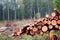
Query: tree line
x=24, y=9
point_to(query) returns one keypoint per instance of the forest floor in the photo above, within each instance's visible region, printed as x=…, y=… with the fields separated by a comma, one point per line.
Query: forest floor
x=22, y=22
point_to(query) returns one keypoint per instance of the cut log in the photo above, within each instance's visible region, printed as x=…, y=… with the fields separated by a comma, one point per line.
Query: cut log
x=58, y=21
x=30, y=25
x=39, y=27
x=51, y=34
x=59, y=16
x=56, y=18
x=44, y=28
x=50, y=26
x=2, y=29
x=44, y=22
x=28, y=28
x=57, y=26
x=16, y=30
x=53, y=22
x=41, y=33
x=53, y=14
x=34, y=29
x=49, y=22
x=31, y=28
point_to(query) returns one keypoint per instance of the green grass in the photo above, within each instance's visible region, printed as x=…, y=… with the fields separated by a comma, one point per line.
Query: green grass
x=5, y=37
x=28, y=37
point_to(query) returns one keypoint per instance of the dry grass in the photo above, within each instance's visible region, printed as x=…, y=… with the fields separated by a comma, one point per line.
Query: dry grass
x=21, y=22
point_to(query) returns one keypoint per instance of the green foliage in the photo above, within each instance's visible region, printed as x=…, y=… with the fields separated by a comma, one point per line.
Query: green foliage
x=45, y=35
x=37, y=37
x=56, y=4
x=37, y=15
x=40, y=37
x=26, y=9
x=57, y=33
x=25, y=37
x=4, y=37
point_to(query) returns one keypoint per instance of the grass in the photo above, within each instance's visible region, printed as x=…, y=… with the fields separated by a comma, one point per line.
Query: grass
x=22, y=22
x=28, y=37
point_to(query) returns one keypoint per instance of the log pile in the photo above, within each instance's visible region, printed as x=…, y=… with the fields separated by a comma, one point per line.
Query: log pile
x=43, y=25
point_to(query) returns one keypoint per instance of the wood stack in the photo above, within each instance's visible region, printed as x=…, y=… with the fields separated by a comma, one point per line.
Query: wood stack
x=44, y=25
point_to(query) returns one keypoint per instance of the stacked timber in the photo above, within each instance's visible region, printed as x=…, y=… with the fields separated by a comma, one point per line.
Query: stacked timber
x=43, y=25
